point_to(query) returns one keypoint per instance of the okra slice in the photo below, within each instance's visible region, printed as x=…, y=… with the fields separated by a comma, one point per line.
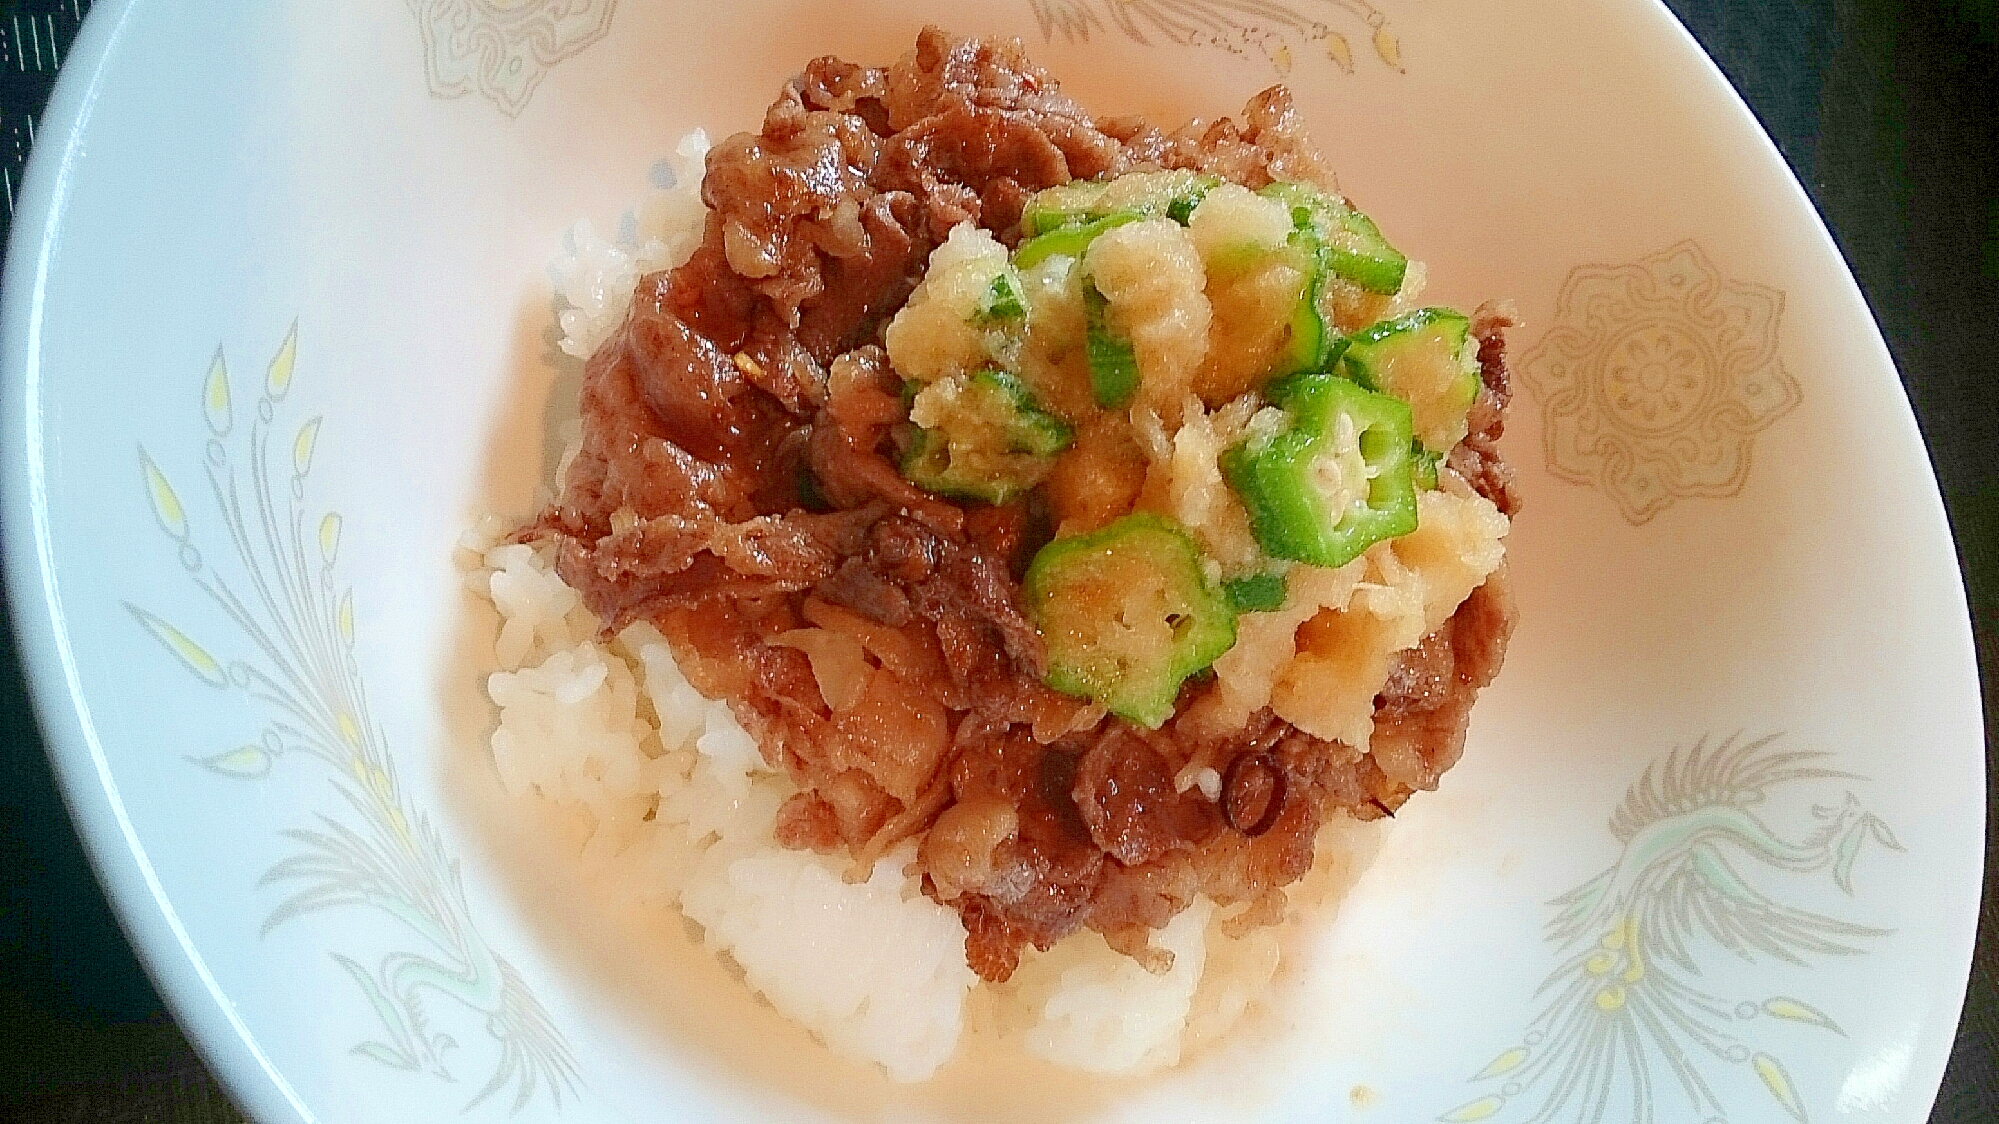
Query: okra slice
x=1314, y=342
x=1070, y=241
x=1429, y=359
x=1113, y=364
x=1128, y=613
x=1327, y=472
x=1068, y=204
x=1258, y=593
x=1355, y=250
x=1423, y=466
x=1265, y=283
x=1172, y=194
x=1002, y=305
x=982, y=437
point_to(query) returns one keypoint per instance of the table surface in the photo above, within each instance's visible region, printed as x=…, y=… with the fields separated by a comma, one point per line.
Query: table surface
x=1885, y=110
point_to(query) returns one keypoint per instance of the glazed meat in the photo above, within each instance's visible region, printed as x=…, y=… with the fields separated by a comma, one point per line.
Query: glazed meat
x=737, y=486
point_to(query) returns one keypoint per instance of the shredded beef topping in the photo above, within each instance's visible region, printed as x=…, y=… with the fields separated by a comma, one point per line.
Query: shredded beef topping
x=1476, y=458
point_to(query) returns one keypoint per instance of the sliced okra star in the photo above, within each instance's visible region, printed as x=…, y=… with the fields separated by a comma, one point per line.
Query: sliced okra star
x=1272, y=291
x=1355, y=250
x=1128, y=613
x=1314, y=343
x=1068, y=204
x=1429, y=359
x=981, y=437
x=1326, y=473
x=1173, y=195
x=1068, y=241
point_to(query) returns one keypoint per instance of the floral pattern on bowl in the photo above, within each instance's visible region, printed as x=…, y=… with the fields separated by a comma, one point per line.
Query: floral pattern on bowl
x=1655, y=378
x=277, y=581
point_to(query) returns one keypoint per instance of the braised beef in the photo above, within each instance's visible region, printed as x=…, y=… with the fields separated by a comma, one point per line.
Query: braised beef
x=1477, y=458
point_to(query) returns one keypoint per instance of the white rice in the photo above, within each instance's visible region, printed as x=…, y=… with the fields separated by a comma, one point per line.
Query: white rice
x=1106, y=1014
x=595, y=278
x=677, y=807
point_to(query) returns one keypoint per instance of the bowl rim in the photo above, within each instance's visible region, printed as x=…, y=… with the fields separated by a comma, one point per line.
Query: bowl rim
x=69, y=735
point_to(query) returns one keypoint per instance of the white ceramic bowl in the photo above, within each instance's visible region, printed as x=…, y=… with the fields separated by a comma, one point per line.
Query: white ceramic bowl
x=276, y=324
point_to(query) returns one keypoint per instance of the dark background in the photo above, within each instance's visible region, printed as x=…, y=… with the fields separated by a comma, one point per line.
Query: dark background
x=1887, y=110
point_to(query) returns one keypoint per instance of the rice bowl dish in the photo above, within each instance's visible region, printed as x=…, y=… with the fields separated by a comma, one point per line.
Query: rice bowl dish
x=675, y=802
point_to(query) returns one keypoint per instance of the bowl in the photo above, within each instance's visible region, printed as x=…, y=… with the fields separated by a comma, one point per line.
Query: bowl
x=278, y=328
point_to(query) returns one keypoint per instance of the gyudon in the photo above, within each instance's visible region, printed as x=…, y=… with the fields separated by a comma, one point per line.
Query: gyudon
x=1091, y=505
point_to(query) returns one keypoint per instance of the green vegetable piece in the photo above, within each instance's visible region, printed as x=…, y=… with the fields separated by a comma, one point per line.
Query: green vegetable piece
x=1173, y=194
x=1128, y=613
x=1002, y=304
x=1331, y=477
x=1069, y=240
x=1281, y=391
x=1309, y=340
x=1067, y=204
x=1427, y=358
x=1306, y=348
x=1258, y=593
x=1181, y=207
x=1146, y=195
x=1315, y=343
x=1423, y=466
x=991, y=441
x=1355, y=250
x=1361, y=255
x=1113, y=364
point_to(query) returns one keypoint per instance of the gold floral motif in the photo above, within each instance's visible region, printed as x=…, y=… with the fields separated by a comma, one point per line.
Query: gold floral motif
x=504, y=48
x=1265, y=29
x=1656, y=377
